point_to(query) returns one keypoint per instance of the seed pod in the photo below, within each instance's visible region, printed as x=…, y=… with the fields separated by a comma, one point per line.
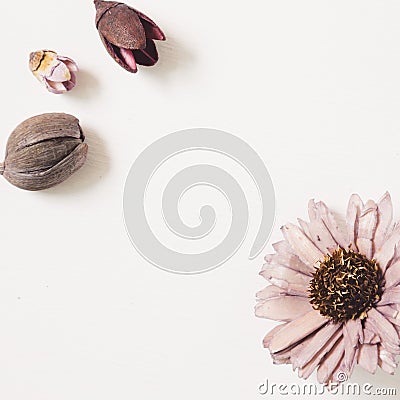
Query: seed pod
x=56, y=73
x=127, y=34
x=44, y=151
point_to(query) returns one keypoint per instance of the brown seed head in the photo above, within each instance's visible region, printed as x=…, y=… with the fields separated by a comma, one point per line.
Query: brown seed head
x=346, y=285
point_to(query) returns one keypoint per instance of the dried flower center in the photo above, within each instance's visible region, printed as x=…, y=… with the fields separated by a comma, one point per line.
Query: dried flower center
x=345, y=285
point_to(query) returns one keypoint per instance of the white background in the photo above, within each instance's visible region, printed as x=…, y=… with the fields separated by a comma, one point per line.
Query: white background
x=313, y=86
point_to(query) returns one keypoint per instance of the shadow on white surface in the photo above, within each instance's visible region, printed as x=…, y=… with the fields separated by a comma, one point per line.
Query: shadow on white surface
x=87, y=86
x=173, y=57
x=95, y=168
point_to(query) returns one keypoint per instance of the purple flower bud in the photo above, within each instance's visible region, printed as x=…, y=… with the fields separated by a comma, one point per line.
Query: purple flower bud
x=127, y=34
x=56, y=72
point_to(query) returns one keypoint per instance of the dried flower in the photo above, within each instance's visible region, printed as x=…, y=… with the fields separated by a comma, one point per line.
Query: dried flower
x=127, y=34
x=337, y=291
x=43, y=151
x=56, y=72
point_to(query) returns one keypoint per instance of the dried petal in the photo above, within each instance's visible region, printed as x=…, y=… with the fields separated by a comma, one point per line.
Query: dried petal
x=387, y=251
x=56, y=73
x=307, y=369
x=330, y=362
x=320, y=235
x=283, y=308
x=391, y=295
x=367, y=223
x=392, y=275
x=368, y=357
x=385, y=216
x=353, y=213
x=317, y=342
x=385, y=330
x=386, y=360
x=289, y=261
x=296, y=330
x=351, y=335
x=330, y=222
x=304, y=247
x=271, y=291
x=286, y=278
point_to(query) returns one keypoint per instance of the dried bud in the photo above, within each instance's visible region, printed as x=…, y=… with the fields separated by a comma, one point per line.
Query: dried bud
x=44, y=151
x=56, y=72
x=127, y=34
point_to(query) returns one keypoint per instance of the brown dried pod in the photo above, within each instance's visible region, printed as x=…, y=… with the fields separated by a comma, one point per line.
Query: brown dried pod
x=44, y=151
x=127, y=34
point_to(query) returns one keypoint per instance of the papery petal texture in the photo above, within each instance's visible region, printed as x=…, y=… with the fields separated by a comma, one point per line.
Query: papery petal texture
x=56, y=73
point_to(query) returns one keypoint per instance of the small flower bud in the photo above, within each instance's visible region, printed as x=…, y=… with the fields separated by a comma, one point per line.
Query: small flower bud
x=56, y=73
x=127, y=34
x=43, y=151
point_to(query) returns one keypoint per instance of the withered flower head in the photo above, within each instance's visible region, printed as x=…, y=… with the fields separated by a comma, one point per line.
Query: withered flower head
x=127, y=34
x=56, y=73
x=44, y=151
x=337, y=291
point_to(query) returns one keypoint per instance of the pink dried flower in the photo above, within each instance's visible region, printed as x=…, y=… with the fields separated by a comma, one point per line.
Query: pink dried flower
x=127, y=34
x=56, y=72
x=337, y=291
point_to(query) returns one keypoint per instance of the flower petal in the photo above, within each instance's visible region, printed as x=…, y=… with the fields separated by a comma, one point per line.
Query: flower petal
x=390, y=296
x=385, y=216
x=320, y=235
x=115, y=53
x=71, y=64
x=392, y=275
x=150, y=27
x=302, y=245
x=367, y=223
x=282, y=247
x=128, y=57
x=385, y=330
x=290, y=261
x=55, y=87
x=391, y=313
x=370, y=336
x=386, y=360
x=337, y=374
x=271, y=291
x=353, y=212
x=296, y=330
x=285, y=252
x=387, y=251
x=304, y=227
x=318, y=341
x=268, y=337
x=351, y=336
x=331, y=224
x=368, y=357
x=308, y=369
x=283, y=308
x=330, y=362
x=294, y=282
x=59, y=73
